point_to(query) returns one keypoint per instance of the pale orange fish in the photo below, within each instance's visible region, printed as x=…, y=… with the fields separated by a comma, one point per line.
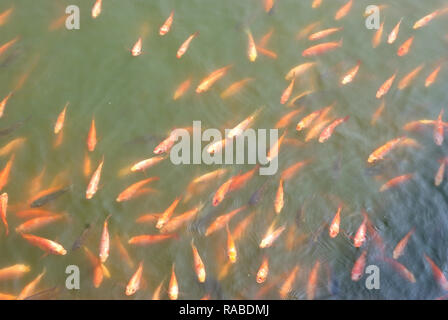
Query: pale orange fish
x=217, y=146
x=312, y=280
x=251, y=48
x=405, y=47
x=33, y=213
x=433, y=76
x=382, y=151
x=307, y=120
x=166, y=215
x=147, y=163
x=38, y=222
x=401, y=269
x=307, y=30
x=208, y=81
x=175, y=223
x=165, y=28
x=278, y=202
x=210, y=176
x=146, y=239
x=130, y=191
x=87, y=165
x=222, y=192
x=8, y=45
x=316, y=4
x=343, y=11
x=96, y=9
x=222, y=220
x=135, y=281
x=394, y=33
x=104, y=242
x=184, y=47
x=407, y=79
x=268, y=53
x=98, y=271
x=242, y=226
x=351, y=74
x=384, y=89
x=199, y=267
x=396, y=181
x=275, y=149
x=60, y=121
x=376, y=40
x=30, y=288
x=399, y=249
x=156, y=294
x=12, y=145
x=91, y=137
x=328, y=131
x=265, y=39
x=438, y=274
x=4, y=174
x=268, y=5
x=94, y=181
x=440, y=174
x=46, y=245
x=243, y=125
x=271, y=236
x=148, y=218
x=286, y=287
x=323, y=33
x=322, y=48
x=333, y=231
x=287, y=92
x=438, y=130
x=4, y=16
x=360, y=236
x=263, y=271
x=166, y=144
x=231, y=248
x=289, y=172
x=287, y=118
x=14, y=272
x=137, y=48
x=240, y=180
x=183, y=87
x=426, y=19
x=235, y=87
x=3, y=103
x=358, y=267
x=124, y=254
x=173, y=288
x=3, y=210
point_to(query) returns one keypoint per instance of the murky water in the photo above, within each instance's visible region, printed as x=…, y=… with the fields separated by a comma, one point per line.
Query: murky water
x=131, y=100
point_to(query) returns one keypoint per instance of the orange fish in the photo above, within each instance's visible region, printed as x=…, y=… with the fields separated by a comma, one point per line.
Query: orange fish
x=268, y=53
x=91, y=138
x=104, y=242
x=406, y=81
x=438, y=130
x=135, y=281
x=231, y=248
x=240, y=180
x=93, y=184
x=175, y=223
x=382, y=151
x=147, y=163
x=333, y=231
x=394, y=33
x=3, y=104
x=289, y=172
x=123, y=252
x=396, y=181
x=222, y=192
x=351, y=74
x=343, y=11
x=358, y=267
x=222, y=220
x=30, y=288
x=287, y=118
x=156, y=294
x=165, y=28
x=46, y=245
x=328, y=131
x=286, y=287
x=306, y=121
x=426, y=19
x=96, y=9
x=433, y=76
x=312, y=280
x=146, y=239
x=60, y=121
x=243, y=125
x=3, y=208
x=98, y=271
x=173, y=288
x=316, y=4
x=438, y=274
x=235, y=87
x=271, y=236
x=268, y=5
x=184, y=47
x=263, y=271
x=130, y=191
x=166, y=144
x=166, y=215
x=87, y=166
x=299, y=70
x=440, y=174
x=398, y=251
x=38, y=222
x=384, y=89
x=323, y=33
x=137, y=48
x=278, y=202
x=405, y=47
x=251, y=48
x=377, y=37
x=198, y=264
x=183, y=87
x=238, y=232
x=360, y=236
x=8, y=45
x=287, y=93
x=4, y=174
x=4, y=16
x=275, y=149
x=208, y=81
x=322, y=48
x=14, y=272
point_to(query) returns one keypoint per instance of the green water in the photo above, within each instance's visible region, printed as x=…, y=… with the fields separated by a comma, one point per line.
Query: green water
x=131, y=100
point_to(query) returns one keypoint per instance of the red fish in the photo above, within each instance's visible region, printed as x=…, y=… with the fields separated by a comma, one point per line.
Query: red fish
x=358, y=267
x=328, y=131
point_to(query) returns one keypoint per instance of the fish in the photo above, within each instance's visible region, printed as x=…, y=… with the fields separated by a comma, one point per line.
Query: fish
x=406, y=81
x=268, y=53
x=104, y=242
x=394, y=33
x=91, y=137
x=30, y=288
x=328, y=131
x=401, y=269
x=287, y=118
x=287, y=92
x=381, y=152
x=323, y=33
x=251, y=47
x=13, y=127
x=396, y=181
x=437, y=273
x=358, y=267
x=438, y=130
x=96, y=9
x=184, y=46
x=94, y=181
x=3, y=104
x=235, y=87
x=4, y=16
x=307, y=120
x=279, y=201
x=165, y=28
x=286, y=287
x=12, y=146
x=322, y=48
x=124, y=255
x=270, y=236
x=275, y=149
x=146, y=239
x=243, y=125
x=173, y=288
x=131, y=191
x=405, y=47
x=376, y=40
x=268, y=5
x=147, y=163
x=385, y=87
x=440, y=174
x=208, y=81
x=175, y=223
x=44, y=244
x=48, y=197
x=432, y=76
x=231, y=248
x=15, y=271
x=38, y=222
x=8, y=45
x=333, y=230
x=166, y=215
x=199, y=267
x=60, y=120
x=344, y=10
x=263, y=271
x=137, y=47
x=98, y=271
x=3, y=211
x=399, y=249
x=351, y=74
x=360, y=236
x=222, y=220
x=312, y=280
x=222, y=192
x=292, y=170
x=135, y=282
x=82, y=238
x=426, y=19
x=182, y=89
